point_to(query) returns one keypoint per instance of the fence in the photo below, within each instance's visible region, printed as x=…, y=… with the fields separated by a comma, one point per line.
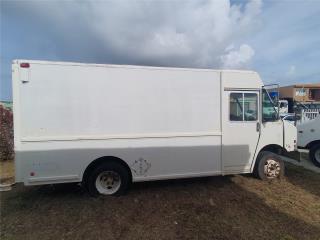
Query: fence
x=309, y=114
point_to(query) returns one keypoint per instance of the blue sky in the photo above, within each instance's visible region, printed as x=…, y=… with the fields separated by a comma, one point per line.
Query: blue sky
x=279, y=39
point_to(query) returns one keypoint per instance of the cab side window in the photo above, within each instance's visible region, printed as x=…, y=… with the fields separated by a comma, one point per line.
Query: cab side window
x=236, y=107
x=250, y=106
x=269, y=113
x=243, y=106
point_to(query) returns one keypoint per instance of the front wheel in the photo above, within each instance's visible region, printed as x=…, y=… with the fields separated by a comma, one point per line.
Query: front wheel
x=314, y=155
x=269, y=166
x=109, y=178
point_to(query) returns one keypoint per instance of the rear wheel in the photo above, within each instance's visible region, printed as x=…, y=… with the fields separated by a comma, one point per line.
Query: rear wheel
x=269, y=166
x=314, y=155
x=108, y=178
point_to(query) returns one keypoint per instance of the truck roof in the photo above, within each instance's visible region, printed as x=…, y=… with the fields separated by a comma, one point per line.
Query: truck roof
x=128, y=66
x=305, y=85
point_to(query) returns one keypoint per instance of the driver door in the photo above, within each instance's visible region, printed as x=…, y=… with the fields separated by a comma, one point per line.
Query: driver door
x=241, y=130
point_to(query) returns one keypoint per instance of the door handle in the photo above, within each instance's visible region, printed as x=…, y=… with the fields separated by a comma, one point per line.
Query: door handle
x=258, y=127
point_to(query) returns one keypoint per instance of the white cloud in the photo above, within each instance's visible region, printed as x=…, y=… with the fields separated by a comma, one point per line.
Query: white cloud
x=268, y=37
x=291, y=71
x=192, y=34
x=237, y=58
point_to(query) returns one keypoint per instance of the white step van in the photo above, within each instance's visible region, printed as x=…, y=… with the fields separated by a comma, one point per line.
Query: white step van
x=109, y=125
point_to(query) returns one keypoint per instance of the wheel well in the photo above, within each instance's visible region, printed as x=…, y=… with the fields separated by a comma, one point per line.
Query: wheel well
x=311, y=144
x=100, y=160
x=277, y=149
x=274, y=148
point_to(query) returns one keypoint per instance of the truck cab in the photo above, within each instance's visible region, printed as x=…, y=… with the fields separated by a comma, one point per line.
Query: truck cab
x=250, y=120
x=272, y=122
x=309, y=138
x=283, y=107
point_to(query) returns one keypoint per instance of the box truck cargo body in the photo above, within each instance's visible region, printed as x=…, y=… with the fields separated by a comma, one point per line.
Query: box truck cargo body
x=108, y=125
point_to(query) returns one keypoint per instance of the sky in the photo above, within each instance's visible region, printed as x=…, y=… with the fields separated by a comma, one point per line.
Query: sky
x=278, y=39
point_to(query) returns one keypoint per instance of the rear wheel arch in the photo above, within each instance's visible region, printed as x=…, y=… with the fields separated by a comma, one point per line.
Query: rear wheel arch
x=99, y=161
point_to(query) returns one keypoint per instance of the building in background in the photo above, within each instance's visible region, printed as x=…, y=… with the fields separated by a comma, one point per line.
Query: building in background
x=301, y=96
x=301, y=92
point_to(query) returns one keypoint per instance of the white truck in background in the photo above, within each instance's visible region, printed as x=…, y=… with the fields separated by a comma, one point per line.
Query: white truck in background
x=283, y=107
x=309, y=138
x=109, y=125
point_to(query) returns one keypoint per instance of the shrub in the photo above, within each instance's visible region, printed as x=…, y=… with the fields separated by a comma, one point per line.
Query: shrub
x=6, y=134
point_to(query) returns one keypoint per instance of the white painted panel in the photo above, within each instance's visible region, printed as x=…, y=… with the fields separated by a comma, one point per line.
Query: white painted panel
x=168, y=158
x=67, y=100
x=242, y=79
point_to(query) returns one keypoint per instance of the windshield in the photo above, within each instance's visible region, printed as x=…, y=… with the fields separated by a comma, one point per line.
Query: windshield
x=269, y=112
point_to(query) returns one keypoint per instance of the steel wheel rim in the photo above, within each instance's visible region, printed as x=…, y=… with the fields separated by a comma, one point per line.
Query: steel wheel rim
x=108, y=182
x=272, y=168
x=317, y=155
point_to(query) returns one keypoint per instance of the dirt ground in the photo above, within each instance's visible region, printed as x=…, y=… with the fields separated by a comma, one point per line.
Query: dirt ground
x=6, y=172
x=230, y=207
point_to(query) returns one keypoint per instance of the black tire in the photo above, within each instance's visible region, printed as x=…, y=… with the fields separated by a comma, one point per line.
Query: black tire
x=110, y=167
x=274, y=171
x=314, y=154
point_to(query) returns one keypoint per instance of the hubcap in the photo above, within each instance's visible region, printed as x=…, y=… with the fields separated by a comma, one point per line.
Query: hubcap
x=272, y=168
x=317, y=155
x=108, y=182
